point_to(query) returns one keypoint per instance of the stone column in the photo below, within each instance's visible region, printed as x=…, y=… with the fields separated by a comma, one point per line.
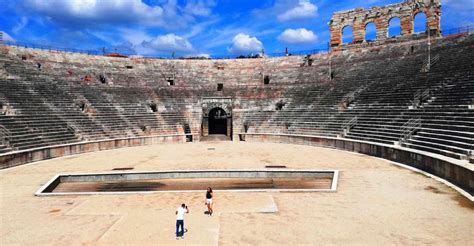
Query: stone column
x=433, y=20
x=229, y=127
x=205, y=126
x=358, y=32
x=406, y=25
x=336, y=35
x=381, y=23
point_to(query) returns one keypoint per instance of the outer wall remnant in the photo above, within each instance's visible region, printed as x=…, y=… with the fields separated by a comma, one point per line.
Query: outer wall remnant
x=358, y=19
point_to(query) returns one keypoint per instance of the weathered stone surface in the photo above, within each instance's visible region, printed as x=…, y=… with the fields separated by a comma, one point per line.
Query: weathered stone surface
x=359, y=18
x=461, y=176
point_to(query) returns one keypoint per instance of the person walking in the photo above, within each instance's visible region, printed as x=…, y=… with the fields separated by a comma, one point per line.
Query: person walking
x=209, y=195
x=180, y=211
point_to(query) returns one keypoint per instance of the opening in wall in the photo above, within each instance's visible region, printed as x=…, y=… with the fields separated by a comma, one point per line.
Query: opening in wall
x=347, y=35
x=102, y=79
x=82, y=106
x=279, y=106
x=246, y=127
x=419, y=24
x=153, y=107
x=217, y=121
x=187, y=131
x=370, y=32
x=220, y=87
x=394, y=28
x=145, y=128
x=266, y=80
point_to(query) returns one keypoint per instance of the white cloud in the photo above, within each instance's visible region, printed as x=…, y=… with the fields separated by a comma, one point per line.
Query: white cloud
x=20, y=25
x=244, y=43
x=297, y=36
x=169, y=42
x=97, y=11
x=199, y=28
x=199, y=7
x=134, y=36
x=168, y=14
x=304, y=9
x=6, y=37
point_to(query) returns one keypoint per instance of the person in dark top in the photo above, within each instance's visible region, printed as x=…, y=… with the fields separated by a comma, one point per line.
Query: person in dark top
x=209, y=195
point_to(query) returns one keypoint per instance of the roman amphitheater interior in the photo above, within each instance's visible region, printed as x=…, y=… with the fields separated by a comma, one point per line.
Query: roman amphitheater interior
x=380, y=112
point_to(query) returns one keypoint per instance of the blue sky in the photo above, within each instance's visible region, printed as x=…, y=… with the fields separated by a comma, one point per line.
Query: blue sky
x=194, y=27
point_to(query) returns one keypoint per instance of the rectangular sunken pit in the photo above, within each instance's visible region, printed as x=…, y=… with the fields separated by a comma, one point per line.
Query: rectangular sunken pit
x=190, y=181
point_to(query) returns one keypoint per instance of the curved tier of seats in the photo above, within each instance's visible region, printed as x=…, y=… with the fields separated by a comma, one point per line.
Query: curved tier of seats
x=377, y=95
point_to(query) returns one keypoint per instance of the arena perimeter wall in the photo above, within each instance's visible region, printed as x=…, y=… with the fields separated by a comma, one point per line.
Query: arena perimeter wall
x=27, y=156
x=459, y=175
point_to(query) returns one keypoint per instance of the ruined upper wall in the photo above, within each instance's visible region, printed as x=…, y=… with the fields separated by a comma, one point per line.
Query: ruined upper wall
x=359, y=18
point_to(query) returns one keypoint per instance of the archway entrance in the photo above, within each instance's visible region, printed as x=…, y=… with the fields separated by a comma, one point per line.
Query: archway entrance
x=217, y=121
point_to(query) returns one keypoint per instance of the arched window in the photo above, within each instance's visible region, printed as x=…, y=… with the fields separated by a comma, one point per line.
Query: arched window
x=394, y=28
x=347, y=35
x=420, y=22
x=370, y=32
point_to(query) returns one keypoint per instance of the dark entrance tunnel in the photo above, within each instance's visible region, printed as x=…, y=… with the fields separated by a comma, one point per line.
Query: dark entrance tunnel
x=217, y=121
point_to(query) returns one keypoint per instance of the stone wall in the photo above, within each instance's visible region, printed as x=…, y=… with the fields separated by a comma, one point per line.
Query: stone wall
x=359, y=18
x=39, y=154
x=202, y=75
x=461, y=176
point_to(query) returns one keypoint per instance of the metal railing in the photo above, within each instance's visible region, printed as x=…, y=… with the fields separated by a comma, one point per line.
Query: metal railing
x=4, y=135
x=464, y=29
x=50, y=48
x=409, y=128
x=428, y=64
x=104, y=51
x=420, y=96
x=242, y=56
x=347, y=125
x=349, y=98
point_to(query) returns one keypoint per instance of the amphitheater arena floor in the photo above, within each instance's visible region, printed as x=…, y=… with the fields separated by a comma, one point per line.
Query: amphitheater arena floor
x=376, y=202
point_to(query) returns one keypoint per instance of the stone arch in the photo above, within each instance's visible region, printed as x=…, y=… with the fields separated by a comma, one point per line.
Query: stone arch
x=217, y=121
x=370, y=31
x=212, y=103
x=381, y=16
x=420, y=22
x=347, y=34
x=394, y=26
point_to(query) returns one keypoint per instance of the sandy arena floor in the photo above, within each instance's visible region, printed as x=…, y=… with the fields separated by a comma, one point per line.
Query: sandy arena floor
x=376, y=203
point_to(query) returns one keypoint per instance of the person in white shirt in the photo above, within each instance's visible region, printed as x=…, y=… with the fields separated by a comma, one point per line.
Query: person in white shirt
x=180, y=211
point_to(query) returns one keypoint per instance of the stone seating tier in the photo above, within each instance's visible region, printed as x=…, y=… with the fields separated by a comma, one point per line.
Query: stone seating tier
x=377, y=86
